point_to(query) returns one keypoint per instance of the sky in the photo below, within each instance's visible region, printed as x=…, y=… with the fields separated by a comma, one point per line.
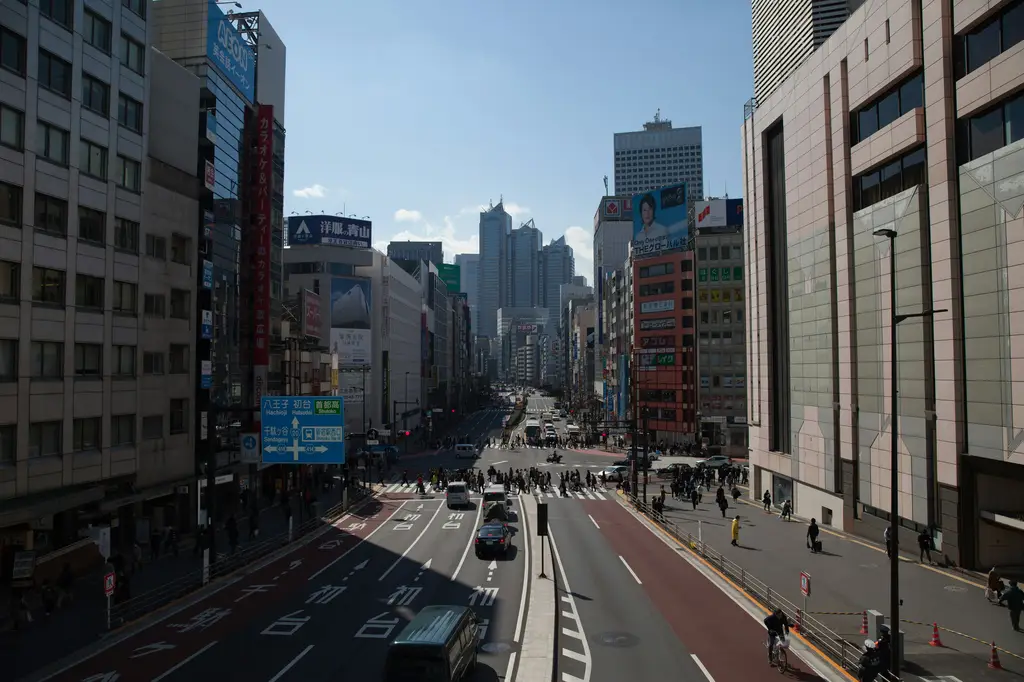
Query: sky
x=418, y=114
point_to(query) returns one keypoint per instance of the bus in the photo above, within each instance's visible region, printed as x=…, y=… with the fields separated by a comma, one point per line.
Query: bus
x=532, y=431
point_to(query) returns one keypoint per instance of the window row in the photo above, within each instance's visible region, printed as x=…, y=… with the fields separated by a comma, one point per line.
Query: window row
x=717, y=338
x=722, y=316
x=886, y=108
x=47, y=360
x=894, y=177
x=55, y=73
x=657, y=289
x=990, y=130
x=723, y=252
x=984, y=43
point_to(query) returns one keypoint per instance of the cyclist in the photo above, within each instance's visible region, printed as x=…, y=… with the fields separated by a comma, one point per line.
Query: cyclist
x=778, y=626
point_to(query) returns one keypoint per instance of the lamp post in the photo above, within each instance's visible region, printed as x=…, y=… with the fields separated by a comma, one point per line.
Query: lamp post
x=894, y=502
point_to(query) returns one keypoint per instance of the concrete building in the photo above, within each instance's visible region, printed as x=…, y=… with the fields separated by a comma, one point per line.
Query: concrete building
x=514, y=325
x=557, y=267
x=657, y=156
x=617, y=322
x=613, y=232
x=524, y=245
x=432, y=252
x=582, y=330
x=576, y=291
x=903, y=131
x=493, y=274
x=469, y=264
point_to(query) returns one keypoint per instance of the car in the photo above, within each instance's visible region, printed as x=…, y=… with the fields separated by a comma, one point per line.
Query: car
x=715, y=461
x=673, y=469
x=495, y=492
x=457, y=494
x=493, y=539
x=616, y=473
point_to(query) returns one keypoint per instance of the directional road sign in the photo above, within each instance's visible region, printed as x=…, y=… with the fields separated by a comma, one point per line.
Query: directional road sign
x=303, y=430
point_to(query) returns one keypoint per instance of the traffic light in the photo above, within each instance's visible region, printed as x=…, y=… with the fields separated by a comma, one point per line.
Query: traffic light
x=453, y=410
x=408, y=433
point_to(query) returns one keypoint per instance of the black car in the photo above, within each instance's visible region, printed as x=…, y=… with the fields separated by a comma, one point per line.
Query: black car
x=493, y=539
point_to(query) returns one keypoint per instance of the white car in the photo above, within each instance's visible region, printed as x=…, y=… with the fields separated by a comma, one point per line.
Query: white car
x=715, y=461
x=616, y=473
x=457, y=494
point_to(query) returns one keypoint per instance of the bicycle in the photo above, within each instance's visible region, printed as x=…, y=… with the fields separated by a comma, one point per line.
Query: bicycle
x=777, y=655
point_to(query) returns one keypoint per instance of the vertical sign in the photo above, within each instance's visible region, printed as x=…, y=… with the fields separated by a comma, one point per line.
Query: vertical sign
x=261, y=232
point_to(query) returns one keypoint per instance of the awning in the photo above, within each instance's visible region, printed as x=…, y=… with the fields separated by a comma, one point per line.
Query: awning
x=26, y=509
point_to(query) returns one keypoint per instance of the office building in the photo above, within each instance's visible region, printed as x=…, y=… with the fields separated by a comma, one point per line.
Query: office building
x=906, y=130
x=524, y=246
x=432, y=252
x=787, y=32
x=557, y=267
x=469, y=264
x=657, y=156
x=613, y=232
x=577, y=291
x=493, y=273
x=617, y=323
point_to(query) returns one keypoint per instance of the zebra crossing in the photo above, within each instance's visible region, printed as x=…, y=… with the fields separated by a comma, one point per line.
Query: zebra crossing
x=594, y=495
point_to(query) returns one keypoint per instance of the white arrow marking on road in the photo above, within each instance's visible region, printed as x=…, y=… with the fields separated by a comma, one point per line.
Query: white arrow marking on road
x=358, y=567
x=419, y=508
x=490, y=570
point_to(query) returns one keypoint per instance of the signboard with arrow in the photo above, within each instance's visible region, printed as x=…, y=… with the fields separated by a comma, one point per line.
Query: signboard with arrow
x=303, y=430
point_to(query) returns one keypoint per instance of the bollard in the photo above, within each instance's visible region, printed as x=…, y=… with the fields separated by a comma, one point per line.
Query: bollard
x=864, y=624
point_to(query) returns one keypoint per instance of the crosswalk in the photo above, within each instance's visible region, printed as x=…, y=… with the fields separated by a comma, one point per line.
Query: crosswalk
x=595, y=495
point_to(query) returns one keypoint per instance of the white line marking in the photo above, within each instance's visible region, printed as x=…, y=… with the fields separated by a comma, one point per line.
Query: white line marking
x=527, y=578
x=569, y=614
x=631, y=572
x=695, y=660
x=295, y=660
x=472, y=537
x=409, y=548
x=572, y=633
x=361, y=541
x=569, y=653
x=511, y=665
x=182, y=663
x=567, y=600
x=593, y=522
x=504, y=461
x=566, y=677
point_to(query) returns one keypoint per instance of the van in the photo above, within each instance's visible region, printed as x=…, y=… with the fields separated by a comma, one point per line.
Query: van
x=438, y=645
x=457, y=494
x=465, y=450
x=495, y=493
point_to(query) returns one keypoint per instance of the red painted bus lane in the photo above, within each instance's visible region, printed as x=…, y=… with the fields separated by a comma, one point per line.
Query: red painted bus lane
x=729, y=643
x=167, y=645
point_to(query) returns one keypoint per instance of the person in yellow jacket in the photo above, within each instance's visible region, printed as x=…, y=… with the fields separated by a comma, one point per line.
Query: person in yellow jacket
x=735, y=531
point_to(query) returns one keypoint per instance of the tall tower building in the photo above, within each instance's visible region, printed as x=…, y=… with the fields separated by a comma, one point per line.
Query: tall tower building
x=659, y=155
x=524, y=266
x=557, y=267
x=469, y=266
x=786, y=32
x=493, y=270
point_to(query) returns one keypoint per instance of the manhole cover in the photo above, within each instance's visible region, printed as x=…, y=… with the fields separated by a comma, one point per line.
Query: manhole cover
x=618, y=639
x=955, y=588
x=495, y=647
x=869, y=565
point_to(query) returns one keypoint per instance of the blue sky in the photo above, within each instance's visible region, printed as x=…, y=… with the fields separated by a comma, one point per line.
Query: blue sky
x=416, y=113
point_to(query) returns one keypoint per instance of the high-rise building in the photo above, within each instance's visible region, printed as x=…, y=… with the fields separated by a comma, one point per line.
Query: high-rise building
x=659, y=155
x=557, y=267
x=432, y=252
x=493, y=272
x=524, y=246
x=786, y=32
x=469, y=264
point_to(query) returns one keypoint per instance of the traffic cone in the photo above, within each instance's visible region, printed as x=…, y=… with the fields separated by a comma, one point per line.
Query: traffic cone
x=935, y=641
x=993, y=659
x=864, y=624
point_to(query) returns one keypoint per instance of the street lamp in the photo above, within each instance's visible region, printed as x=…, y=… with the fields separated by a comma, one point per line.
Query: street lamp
x=894, y=503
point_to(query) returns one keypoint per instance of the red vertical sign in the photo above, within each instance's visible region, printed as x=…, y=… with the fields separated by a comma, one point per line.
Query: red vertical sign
x=262, y=178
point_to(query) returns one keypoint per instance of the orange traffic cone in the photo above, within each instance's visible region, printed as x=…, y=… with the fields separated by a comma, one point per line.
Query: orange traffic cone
x=935, y=641
x=864, y=624
x=993, y=659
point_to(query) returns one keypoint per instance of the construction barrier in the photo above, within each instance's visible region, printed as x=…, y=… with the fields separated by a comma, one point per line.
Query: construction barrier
x=936, y=627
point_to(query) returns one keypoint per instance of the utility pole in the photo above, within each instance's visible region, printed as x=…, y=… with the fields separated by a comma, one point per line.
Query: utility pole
x=635, y=439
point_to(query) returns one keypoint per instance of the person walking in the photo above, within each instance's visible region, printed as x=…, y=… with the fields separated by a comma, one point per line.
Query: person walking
x=736, y=531
x=767, y=501
x=924, y=543
x=1014, y=598
x=812, y=536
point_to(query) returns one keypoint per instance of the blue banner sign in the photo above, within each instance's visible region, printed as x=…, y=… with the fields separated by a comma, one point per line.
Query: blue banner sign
x=329, y=229
x=229, y=52
x=206, y=324
x=207, y=274
x=303, y=429
x=206, y=374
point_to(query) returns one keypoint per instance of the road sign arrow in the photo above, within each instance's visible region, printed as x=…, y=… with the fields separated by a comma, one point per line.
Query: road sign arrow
x=361, y=565
x=493, y=566
x=270, y=448
x=425, y=566
x=295, y=422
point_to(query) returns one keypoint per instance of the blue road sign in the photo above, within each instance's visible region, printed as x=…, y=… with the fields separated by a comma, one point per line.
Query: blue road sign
x=303, y=430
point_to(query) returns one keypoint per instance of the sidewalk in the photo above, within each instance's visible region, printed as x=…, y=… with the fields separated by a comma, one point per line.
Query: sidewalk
x=852, y=575
x=82, y=621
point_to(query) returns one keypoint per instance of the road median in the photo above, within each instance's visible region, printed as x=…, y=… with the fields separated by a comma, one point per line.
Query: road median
x=537, y=654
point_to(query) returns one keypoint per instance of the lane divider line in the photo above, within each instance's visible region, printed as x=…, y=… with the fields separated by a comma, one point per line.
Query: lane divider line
x=183, y=662
x=291, y=664
x=588, y=664
x=630, y=569
x=574, y=655
x=408, y=549
x=361, y=541
x=572, y=633
x=527, y=580
x=569, y=614
x=695, y=660
x=511, y=666
x=472, y=537
x=593, y=522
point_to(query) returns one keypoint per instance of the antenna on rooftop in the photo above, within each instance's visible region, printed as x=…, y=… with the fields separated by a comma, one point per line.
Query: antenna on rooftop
x=606, y=192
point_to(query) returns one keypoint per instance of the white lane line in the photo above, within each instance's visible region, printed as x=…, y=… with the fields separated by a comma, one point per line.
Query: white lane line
x=588, y=661
x=504, y=461
x=527, y=577
x=593, y=522
x=699, y=665
x=291, y=663
x=472, y=537
x=361, y=541
x=409, y=548
x=572, y=633
x=182, y=663
x=631, y=572
x=511, y=666
x=569, y=614
x=569, y=653
x=566, y=677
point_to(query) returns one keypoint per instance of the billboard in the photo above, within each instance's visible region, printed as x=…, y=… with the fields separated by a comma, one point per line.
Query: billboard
x=657, y=342
x=734, y=212
x=661, y=306
x=709, y=214
x=229, y=52
x=331, y=230
x=451, y=276
x=260, y=214
x=350, y=320
x=312, y=321
x=527, y=329
x=658, y=323
x=614, y=208
x=660, y=220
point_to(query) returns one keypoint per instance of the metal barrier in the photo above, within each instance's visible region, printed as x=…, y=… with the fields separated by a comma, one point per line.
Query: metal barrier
x=147, y=602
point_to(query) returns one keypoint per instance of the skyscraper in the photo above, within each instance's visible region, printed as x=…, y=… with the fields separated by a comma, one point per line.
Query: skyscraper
x=557, y=267
x=493, y=270
x=524, y=266
x=659, y=155
x=469, y=265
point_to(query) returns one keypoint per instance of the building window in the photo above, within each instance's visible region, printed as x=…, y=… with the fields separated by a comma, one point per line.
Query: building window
x=126, y=235
x=136, y=6
x=12, y=51
x=88, y=359
x=12, y=128
x=123, y=359
x=777, y=262
x=51, y=214
x=44, y=439
x=10, y=204
x=52, y=143
x=181, y=249
x=8, y=444
x=122, y=430
x=47, y=361
x=179, y=358
x=894, y=177
x=981, y=45
x=10, y=281
x=153, y=363
x=48, y=286
x=95, y=95
x=990, y=130
x=54, y=74
x=88, y=434
x=96, y=31
x=58, y=11
x=89, y=292
x=181, y=303
x=886, y=108
x=91, y=225
x=93, y=159
x=126, y=298
x=8, y=360
x=153, y=427
x=129, y=113
x=133, y=55
x=659, y=270
x=129, y=174
x=657, y=289
x=156, y=247
x=179, y=416
x=154, y=305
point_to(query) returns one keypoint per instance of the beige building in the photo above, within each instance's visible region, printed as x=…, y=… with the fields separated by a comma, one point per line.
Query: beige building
x=908, y=118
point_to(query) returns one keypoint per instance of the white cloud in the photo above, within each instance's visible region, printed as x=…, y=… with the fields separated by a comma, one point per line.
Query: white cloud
x=311, y=192
x=452, y=239
x=582, y=242
x=403, y=215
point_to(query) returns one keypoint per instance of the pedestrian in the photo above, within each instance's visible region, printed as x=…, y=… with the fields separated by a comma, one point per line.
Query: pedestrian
x=736, y=531
x=924, y=542
x=1014, y=598
x=787, y=511
x=767, y=501
x=812, y=536
x=887, y=536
